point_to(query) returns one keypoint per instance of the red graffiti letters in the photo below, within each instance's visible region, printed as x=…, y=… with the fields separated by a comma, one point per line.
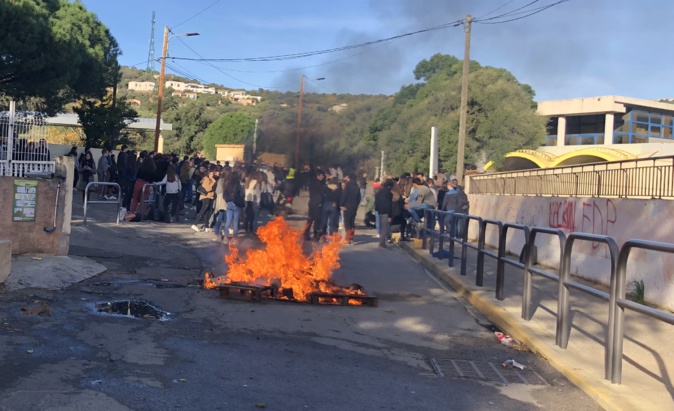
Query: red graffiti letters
x=562, y=215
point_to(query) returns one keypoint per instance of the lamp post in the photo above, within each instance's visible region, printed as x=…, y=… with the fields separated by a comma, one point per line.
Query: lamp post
x=299, y=121
x=160, y=95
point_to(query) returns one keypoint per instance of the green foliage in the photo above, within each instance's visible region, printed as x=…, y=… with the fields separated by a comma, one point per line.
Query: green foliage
x=501, y=117
x=102, y=121
x=232, y=128
x=637, y=291
x=53, y=52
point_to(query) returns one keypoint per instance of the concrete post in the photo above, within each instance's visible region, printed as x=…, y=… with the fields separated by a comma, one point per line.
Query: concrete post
x=160, y=144
x=433, y=168
x=608, y=129
x=561, y=131
x=5, y=259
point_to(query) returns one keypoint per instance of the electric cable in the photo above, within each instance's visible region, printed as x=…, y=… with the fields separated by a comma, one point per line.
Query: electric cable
x=201, y=12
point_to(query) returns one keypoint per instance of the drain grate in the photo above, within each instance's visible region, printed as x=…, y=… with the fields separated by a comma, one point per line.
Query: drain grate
x=132, y=308
x=485, y=371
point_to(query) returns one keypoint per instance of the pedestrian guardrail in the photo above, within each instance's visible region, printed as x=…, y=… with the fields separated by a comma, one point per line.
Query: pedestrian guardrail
x=616, y=297
x=117, y=201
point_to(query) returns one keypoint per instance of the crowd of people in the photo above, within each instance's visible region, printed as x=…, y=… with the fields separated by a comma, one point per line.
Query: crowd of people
x=226, y=198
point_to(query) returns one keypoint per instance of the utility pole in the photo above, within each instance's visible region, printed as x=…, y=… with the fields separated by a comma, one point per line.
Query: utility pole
x=160, y=95
x=299, y=125
x=464, y=102
x=381, y=166
x=255, y=138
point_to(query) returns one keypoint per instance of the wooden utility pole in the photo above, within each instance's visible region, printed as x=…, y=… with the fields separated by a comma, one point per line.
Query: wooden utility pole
x=299, y=125
x=464, y=102
x=160, y=95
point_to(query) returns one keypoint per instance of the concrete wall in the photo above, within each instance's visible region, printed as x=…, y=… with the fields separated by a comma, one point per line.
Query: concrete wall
x=30, y=237
x=621, y=219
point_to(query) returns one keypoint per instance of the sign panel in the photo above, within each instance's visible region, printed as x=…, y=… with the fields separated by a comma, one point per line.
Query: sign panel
x=25, y=200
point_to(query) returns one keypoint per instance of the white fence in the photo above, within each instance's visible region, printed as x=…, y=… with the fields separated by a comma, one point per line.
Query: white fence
x=23, y=146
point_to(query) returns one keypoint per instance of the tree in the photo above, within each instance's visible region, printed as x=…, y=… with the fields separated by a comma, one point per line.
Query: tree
x=232, y=128
x=501, y=116
x=53, y=52
x=102, y=121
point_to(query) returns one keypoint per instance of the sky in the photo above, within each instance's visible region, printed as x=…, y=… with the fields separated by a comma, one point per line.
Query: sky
x=579, y=48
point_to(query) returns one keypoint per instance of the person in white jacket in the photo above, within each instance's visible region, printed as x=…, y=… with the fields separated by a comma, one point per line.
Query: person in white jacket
x=252, y=211
x=173, y=188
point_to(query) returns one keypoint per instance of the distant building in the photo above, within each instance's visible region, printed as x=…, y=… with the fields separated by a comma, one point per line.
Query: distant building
x=190, y=94
x=141, y=86
x=339, y=107
x=598, y=129
x=134, y=102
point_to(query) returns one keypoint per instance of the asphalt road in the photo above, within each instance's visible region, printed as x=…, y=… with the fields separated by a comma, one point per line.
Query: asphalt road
x=220, y=354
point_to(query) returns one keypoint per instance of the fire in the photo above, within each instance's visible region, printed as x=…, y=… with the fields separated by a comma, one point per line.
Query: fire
x=282, y=263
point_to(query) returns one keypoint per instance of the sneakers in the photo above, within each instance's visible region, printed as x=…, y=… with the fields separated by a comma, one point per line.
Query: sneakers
x=112, y=198
x=195, y=228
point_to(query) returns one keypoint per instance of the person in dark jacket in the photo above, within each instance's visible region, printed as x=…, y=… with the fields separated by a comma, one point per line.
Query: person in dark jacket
x=454, y=201
x=144, y=176
x=383, y=205
x=316, y=195
x=348, y=203
x=330, y=217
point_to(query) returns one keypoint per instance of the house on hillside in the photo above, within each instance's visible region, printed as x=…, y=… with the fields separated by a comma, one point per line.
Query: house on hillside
x=339, y=107
x=175, y=85
x=141, y=86
x=134, y=102
x=190, y=94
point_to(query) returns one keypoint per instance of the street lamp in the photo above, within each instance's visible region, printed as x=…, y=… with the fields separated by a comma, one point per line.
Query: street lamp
x=160, y=96
x=299, y=121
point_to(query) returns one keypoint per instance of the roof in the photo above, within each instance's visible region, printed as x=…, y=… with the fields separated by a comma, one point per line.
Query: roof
x=598, y=105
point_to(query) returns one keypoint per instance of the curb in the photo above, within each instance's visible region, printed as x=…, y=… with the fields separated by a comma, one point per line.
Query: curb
x=606, y=398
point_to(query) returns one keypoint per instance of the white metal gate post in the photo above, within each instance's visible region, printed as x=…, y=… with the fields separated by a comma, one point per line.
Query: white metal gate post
x=10, y=130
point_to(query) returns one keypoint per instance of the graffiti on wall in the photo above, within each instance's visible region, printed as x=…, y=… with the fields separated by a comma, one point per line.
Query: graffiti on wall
x=562, y=215
x=598, y=216
x=595, y=216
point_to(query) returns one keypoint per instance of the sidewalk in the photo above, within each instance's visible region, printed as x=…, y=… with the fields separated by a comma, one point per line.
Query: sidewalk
x=648, y=359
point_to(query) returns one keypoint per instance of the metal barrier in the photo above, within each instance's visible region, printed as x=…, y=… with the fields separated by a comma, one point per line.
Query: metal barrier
x=530, y=269
x=464, y=240
x=482, y=251
x=118, y=201
x=144, y=201
x=503, y=260
x=615, y=297
x=565, y=283
x=620, y=302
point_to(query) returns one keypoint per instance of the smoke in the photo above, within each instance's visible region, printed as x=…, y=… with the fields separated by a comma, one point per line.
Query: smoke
x=575, y=49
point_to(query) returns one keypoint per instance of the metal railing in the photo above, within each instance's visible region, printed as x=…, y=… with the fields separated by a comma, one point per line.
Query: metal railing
x=616, y=297
x=118, y=201
x=639, y=178
x=150, y=198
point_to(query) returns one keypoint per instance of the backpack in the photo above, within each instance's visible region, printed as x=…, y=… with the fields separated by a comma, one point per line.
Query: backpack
x=239, y=198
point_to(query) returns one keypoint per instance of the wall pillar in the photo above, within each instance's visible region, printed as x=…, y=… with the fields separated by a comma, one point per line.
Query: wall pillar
x=561, y=131
x=608, y=129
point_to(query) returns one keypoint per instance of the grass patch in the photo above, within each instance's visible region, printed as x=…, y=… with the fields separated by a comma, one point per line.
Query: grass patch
x=637, y=291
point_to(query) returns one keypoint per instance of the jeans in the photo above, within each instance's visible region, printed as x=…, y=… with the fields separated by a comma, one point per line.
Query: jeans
x=205, y=213
x=189, y=190
x=362, y=195
x=385, y=228
x=219, y=221
x=172, y=200
x=376, y=221
x=330, y=220
x=414, y=210
x=233, y=215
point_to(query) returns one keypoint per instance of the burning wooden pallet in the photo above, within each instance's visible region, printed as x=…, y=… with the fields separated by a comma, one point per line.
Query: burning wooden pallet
x=243, y=292
x=343, y=299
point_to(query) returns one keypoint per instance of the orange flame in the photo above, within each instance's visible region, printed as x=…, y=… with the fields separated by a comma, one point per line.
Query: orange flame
x=282, y=263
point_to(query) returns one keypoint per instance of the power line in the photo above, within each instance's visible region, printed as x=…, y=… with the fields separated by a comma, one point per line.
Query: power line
x=496, y=9
x=217, y=68
x=522, y=14
x=508, y=13
x=201, y=12
x=326, y=51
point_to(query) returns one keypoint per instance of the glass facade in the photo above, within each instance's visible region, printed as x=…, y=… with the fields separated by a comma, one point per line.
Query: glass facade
x=636, y=126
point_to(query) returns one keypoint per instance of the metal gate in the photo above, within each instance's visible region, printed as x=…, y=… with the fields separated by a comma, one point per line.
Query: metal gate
x=24, y=150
